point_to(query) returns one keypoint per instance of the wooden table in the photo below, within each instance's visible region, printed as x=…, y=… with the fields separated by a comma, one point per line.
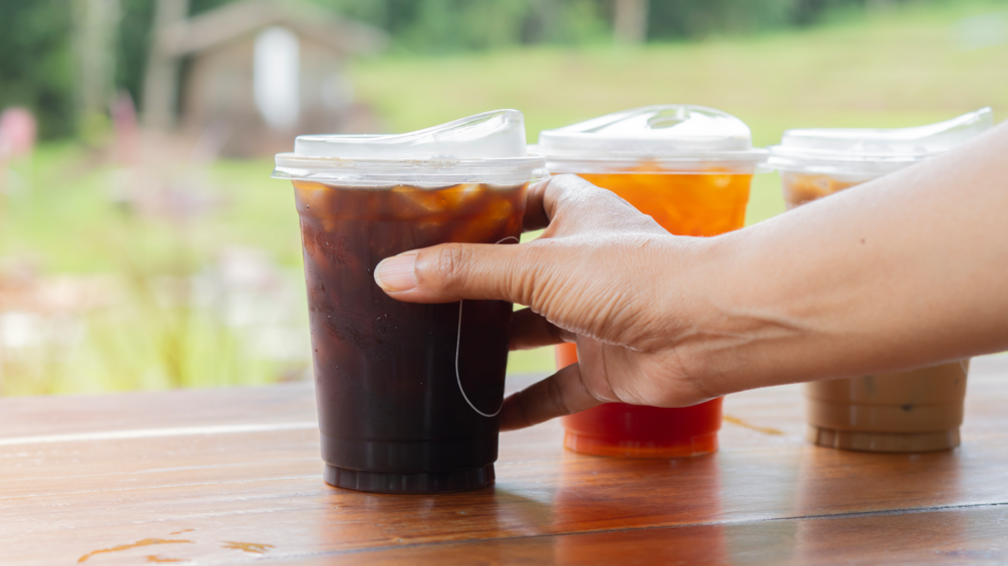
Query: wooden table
x=233, y=475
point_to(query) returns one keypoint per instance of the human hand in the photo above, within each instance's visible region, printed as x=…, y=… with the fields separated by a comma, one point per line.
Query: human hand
x=602, y=275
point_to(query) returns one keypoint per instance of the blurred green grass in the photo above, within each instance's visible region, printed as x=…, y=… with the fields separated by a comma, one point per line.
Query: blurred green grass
x=898, y=68
x=902, y=67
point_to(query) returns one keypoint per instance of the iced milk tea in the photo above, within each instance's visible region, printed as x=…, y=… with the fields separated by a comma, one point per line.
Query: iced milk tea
x=911, y=411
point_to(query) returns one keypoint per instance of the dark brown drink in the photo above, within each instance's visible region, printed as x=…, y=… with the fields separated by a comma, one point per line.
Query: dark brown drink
x=404, y=389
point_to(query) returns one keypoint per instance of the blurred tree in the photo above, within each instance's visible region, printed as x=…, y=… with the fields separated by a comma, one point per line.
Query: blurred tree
x=696, y=18
x=806, y=12
x=161, y=74
x=135, y=27
x=95, y=33
x=37, y=58
x=630, y=20
x=453, y=25
x=200, y=6
x=36, y=70
x=674, y=19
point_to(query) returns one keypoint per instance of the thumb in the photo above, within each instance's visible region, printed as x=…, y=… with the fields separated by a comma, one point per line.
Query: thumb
x=450, y=272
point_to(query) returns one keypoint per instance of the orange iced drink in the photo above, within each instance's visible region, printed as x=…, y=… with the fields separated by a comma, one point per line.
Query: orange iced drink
x=691, y=188
x=704, y=204
x=911, y=411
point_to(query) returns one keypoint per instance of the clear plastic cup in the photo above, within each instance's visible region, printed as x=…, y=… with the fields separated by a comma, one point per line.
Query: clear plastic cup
x=408, y=394
x=911, y=411
x=690, y=169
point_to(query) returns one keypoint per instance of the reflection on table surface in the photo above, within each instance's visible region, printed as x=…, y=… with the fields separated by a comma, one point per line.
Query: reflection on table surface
x=229, y=475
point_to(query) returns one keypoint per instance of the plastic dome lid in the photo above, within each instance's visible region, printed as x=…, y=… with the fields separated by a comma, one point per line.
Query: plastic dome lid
x=488, y=147
x=679, y=137
x=867, y=151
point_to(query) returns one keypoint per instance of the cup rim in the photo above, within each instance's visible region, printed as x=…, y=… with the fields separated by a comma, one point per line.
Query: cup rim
x=424, y=171
x=726, y=162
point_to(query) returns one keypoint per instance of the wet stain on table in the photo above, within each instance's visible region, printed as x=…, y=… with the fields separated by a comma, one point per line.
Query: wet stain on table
x=744, y=424
x=158, y=559
x=137, y=544
x=248, y=546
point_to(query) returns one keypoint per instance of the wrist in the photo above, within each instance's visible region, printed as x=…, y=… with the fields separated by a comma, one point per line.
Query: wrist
x=727, y=328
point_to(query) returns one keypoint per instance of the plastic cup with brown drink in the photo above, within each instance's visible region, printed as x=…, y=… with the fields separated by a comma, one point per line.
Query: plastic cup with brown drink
x=690, y=169
x=408, y=394
x=911, y=411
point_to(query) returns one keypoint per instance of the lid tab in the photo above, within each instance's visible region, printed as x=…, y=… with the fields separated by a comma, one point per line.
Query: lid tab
x=485, y=148
x=688, y=138
x=873, y=151
x=500, y=133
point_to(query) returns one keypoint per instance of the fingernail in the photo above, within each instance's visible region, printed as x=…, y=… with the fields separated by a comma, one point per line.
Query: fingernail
x=396, y=273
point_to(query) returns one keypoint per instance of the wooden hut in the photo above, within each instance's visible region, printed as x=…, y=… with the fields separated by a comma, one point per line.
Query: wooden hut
x=253, y=74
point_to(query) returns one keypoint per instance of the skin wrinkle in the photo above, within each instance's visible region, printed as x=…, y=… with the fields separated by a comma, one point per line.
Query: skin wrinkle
x=691, y=377
x=613, y=310
x=512, y=268
x=461, y=266
x=533, y=290
x=556, y=396
x=542, y=294
x=612, y=320
x=586, y=388
x=753, y=327
x=628, y=391
x=559, y=335
x=609, y=395
x=638, y=332
x=598, y=312
x=565, y=305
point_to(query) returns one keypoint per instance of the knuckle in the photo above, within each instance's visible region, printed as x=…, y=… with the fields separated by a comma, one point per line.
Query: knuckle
x=449, y=265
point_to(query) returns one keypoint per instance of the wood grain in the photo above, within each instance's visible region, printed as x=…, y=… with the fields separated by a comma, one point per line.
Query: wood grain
x=974, y=535
x=233, y=475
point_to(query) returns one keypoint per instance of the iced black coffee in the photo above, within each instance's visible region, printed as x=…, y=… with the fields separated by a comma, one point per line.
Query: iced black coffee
x=408, y=394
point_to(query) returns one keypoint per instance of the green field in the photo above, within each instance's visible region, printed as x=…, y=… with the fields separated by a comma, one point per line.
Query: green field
x=907, y=66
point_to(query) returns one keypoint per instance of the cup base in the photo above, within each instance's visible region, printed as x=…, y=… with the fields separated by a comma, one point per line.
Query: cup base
x=882, y=441
x=431, y=482
x=597, y=446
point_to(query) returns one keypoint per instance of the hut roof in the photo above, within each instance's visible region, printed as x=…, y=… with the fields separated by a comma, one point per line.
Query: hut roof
x=233, y=21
